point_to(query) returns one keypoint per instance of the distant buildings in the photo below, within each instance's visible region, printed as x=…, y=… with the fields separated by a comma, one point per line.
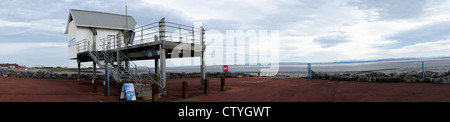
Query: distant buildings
x=13, y=66
x=8, y=66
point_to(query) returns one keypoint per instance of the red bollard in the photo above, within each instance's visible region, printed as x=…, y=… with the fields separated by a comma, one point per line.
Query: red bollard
x=184, y=89
x=206, y=87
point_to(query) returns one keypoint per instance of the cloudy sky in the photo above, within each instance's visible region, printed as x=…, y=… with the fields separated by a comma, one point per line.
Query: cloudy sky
x=32, y=31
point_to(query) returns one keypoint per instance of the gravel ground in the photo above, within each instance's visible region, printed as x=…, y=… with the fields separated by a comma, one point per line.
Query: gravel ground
x=240, y=90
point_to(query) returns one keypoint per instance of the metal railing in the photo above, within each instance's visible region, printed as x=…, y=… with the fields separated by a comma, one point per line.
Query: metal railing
x=146, y=33
x=94, y=55
x=182, y=33
x=150, y=33
x=131, y=67
x=82, y=46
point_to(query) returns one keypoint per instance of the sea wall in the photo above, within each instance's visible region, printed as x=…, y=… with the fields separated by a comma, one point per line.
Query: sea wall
x=46, y=75
x=101, y=76
x=208, y=74
x=409, y=76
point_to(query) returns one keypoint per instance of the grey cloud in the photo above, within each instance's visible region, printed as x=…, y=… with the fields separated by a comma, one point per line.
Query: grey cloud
x=330, y=41
x=393, y=9
x=428, y=33
x=46, y=19
x=37, y=56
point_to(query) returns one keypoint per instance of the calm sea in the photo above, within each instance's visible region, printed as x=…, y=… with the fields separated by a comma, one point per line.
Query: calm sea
x=430, y=65
x=438, y=65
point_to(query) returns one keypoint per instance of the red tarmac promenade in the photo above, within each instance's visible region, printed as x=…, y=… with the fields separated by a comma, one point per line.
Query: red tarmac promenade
x=240, y=90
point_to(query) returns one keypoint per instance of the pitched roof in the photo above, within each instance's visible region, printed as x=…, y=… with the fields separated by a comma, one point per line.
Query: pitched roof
x=84, y=18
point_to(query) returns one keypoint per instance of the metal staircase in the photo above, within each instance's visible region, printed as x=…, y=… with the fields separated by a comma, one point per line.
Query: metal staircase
x=122, y=70
x=108, y=54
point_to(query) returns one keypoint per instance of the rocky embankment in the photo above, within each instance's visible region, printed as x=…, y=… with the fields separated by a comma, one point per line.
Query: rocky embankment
x=101, y=76
x=44, y=74
x=211, y=75
x=409, y=77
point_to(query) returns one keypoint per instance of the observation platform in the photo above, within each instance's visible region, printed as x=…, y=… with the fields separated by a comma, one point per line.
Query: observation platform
x=145, y=42
x=158, y=41
x=151, y=50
